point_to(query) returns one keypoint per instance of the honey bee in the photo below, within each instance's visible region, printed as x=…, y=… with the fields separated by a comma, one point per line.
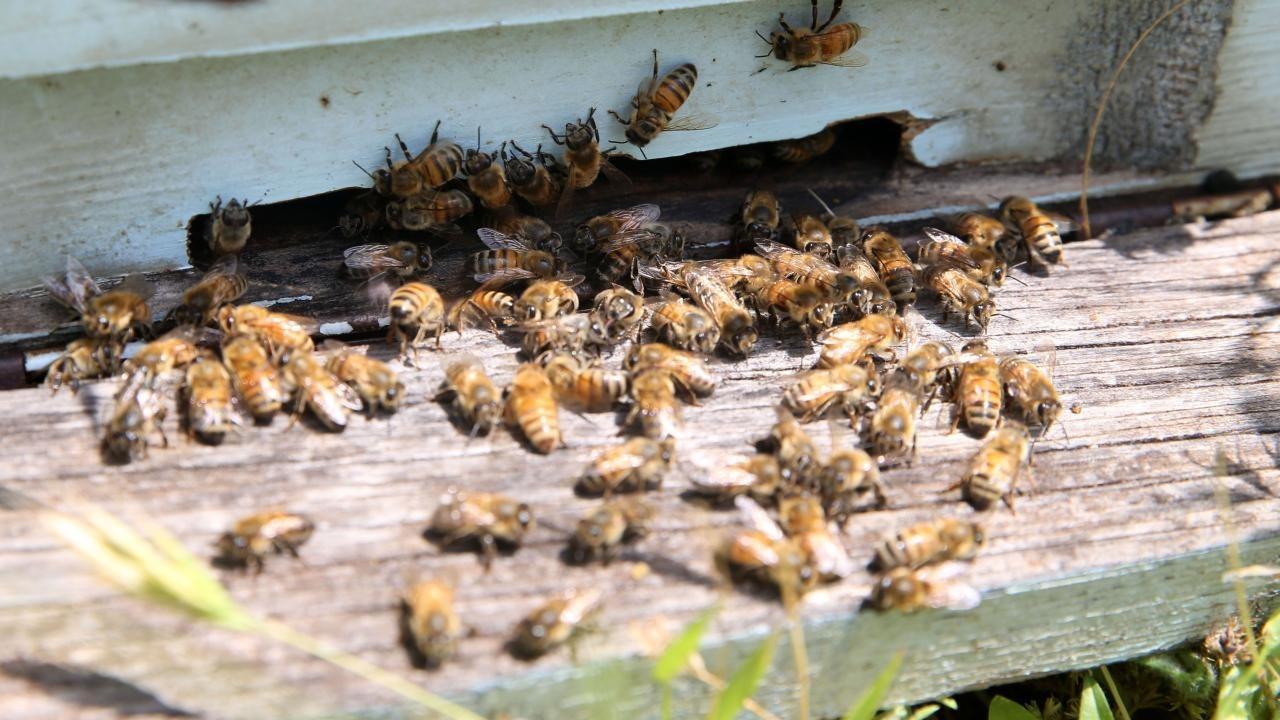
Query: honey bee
x=253, y=376
x=175, y=349
x=117, y=314
x=824, y=44
x=249, y=541
x=764, y=555
x=796, y=453
x=314, y=387
x=845, y=477
x=893, y=425
x=510, y=258
x=583, y=156
x=531, y=406
x=401, y=260
x=84, y=358
x=555, y=622
x=654, y=407
x=849, y=343
x=758, y=476
x=362, y=214
x=689, y=371
x=1030, y=392
x=229, y=227
x=637, y=465
x=1038, y=231
x=139, y=411
x=548, y=298
x=485, y=178
x=875, y=297
x=737, y=328
x=834, y=283
x=223, y=284
x=986, y=232
x=928, y=543
x=978, y=395
x=844, y=230
x=488, y=521
x=947, y=250
x=620, y=311
x=430, y=210
x=803, y=519
x=533, y=182
x=533, y=231
x=908, y=591
x=416, y=311
x=853, y=388
x=625, y=252
x=439, y=163
x=930, y=368
x=960, y=294
x=577, y=333
x=892, y=263
x=806, y=148
x=377, y=385
x=804, y=305
x=585, y=387
x=812, y=236
x=993, y=472
x=472, y=395
x=657, y=100
x=604, y=529
x=213, y=408
x=429, y=621
x=683, y=326
x=281, y=334
x=482, y=306
x=761, y=215
x=589, y=236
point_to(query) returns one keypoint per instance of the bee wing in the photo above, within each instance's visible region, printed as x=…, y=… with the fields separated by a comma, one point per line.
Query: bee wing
x=566, y=195
x=347, y=396
x=571, y=279
x=1064, y=224
x=625, y=238
x=74, y=288
x=941, y=236
x=692, y=122
x=311, y=325
x=757, y=518
x=225, y=265
x=580, y=603
x=371, y=257
x=851, y=59
x=613, y=173
x=636, y=216
x=830, y=557
x=952, y=595
x=503, y=277
x=138, y=284
x=724, y=472
x=495, y=240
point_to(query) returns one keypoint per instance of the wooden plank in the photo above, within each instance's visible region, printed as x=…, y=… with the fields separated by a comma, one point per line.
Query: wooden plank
x=1165, y=337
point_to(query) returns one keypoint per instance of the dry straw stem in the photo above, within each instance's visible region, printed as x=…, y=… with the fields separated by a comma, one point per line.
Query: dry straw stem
x=698, y=668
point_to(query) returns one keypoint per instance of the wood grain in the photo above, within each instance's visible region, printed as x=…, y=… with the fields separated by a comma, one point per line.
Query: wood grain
x=1167, y=338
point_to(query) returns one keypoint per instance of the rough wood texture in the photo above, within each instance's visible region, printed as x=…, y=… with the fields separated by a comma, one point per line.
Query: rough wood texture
x=1165, y=337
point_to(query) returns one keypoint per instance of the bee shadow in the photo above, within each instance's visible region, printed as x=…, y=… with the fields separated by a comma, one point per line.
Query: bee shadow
x=87, y=688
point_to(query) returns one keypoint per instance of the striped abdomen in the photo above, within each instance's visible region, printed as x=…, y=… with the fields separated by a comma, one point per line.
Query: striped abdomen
x=980, y=395
x=674, y=88
x=836, y=40
x=439, y=163
x=414, y=303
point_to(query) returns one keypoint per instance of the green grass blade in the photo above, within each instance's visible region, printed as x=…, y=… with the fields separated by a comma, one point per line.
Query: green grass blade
x=864, y=708
x=1002, y=708
x=1093, y=703
x=676, y=656
x=744, y=681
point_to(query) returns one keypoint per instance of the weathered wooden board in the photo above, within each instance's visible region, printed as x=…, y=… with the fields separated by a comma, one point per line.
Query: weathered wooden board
x=1167, y=338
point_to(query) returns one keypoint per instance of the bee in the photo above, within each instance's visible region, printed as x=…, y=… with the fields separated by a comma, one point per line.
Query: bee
x=1038, y=231
x=429, y=621
x=844, y=230
x=761, y=215
x=806, y=148
x=804, y=305
x=625, y=252
x=548, y=298
x=253, y=376
x=812, y=236
x=796, y=453
x=600, y=532
x=533, y=182
x=1030, y=392
x=875, y=296
x=175, y=349
x=249, y=541
x=892, y=263
x=591, y=235
x=139, y=411
x=930, y=368
x=654, y=408
x=986, y=232
x=620, y=311
x=531, y=406
x=960, y=294
x=737, y=328
x=533, y=231
x=229, y=227
x=657, y=100
x=908, y=591
x=486, y=520
x=978, y=395
x=893, y=425
x=377, y=385
x=849, y=343
x=510, y=258
x=688, y=371
x=929, y=543
x=947, y=250
x=223, y=284
x=439, y=163
x=764, y=555
x=482, y=306
x=362, y=214
x=575, y=334
x=682, y=325
x=213, y=408
x=317, y=389
x=993, y=472
x=853, y=388
x=834, y=283
x=585, y=387
x=281, y=334
x=583, y=156
x=116, y=314
x=758, y=476
x=845, y=477
x=416, y=311
x=84, y=358
x=472, y=395
x=401, y=260
x=824, y=44
x=636, y=465
x=803, y=519
x=430, y=210
x=555, y=622
x=485, y=178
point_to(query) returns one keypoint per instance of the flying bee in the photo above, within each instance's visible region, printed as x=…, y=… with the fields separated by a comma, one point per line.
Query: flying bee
x=654, y=405
x=403, y=260
x=213, y=408
x=803, y=519
x=377, y=385
x=253, y=376
x=993, y=472
x=252, y=538
x=486, y=520
x=978, y=395
x=315, y=388
x=429, y=621
x=804, y=305
x=844, y=230
x=1038, y=231
x=485, y=177
x=472, y=396
x=683, y=325
x=548, y=298
x=812, y=236
x=510, y=258
x=531, y=407
x=986, y=232
x=590, y=235
x=529, y=176
x=835, y=284
x=657, y=100
x=760, y=217
x=439, y=163
x=1030, y=392
x=582, y=154
x=928, y=543
x=849, y=343
x=893, y=425
x=362, y=214
x=482, y=306
x=281, y=334
x=852, y=388
x=758, y=476
x=139, y=412
x=575, y=334
x=908, y=591
x=555, y=622
x=417, y=311
x=947, y=250
x=600, y=532
x=637, y=465
x=533, y=231
x=824, y=44
x=764, y=555
x=689, y=371
x=930, y=368
x=892, y=263
x=85, y=358
x=222, y=284
x=960, y=294
x=875, y=296
x=804, y=149
x=229, y=226
x=430, y=210
x=175, y=349
x=845, y=477
x=796, y=453
x=585, y=386
x=620, y=311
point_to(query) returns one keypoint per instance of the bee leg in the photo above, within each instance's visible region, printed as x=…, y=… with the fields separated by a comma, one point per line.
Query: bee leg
x=782, y=21
x=435, y=132
x=835, y=10
x=813, y=23
x=618, y=117
x=488, y=551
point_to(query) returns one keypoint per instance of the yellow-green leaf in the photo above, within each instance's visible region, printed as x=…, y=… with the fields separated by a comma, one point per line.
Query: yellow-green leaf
x=676, y=656
x=1002, y=708
x=1093, y=703
x=864, y=708
x=744, y=681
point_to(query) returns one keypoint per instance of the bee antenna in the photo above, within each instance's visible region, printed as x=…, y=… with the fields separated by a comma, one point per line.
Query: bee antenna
x=767, y=40
x=1005, y=315
x=366, y=172
x=477, y=138
x=1020, y=282
x=826, y=207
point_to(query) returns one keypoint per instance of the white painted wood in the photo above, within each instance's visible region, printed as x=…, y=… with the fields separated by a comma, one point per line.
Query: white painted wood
x=1242, y=133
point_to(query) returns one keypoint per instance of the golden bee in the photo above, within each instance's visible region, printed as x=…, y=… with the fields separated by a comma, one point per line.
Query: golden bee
x=892, y=264
x=510, y=258
x=318, y=390
x=985, y=232
x=429, y=210
x=737, y=328
x=824, y=44
x=805, y=522
x=908, y=591
x=758, y=476
x=436, y=165
x=229, y=226
x=764, y=555
x=804, y=149
x=931, y=369
x=253, y=376
x=213, y=408
x=529, y=176
x=796, y=453
x=485, y=177
x=620, y=311
x=601, y=531
x=812, y=236
x=429, y=621
x=483, y=306
x=585, y=387
x=993, y=472
x=281, y=334
x=849, y=343
x=222, y=284
x=1038, y=231
x=138, y=413
x=893, y=425
x=252, y=538
x=84, y=358
x=1030, y=392
x=116, y=314
x=978, y=396
x=835, y=284
x=377, y=385
x=929, y=543
x=548, y=298
x=760, y=217
x=627, y=252
x=488, y=521
x=636, y=465
x=175, y=349
x=579, y=333
x=654, y=408
x=787, y=300
x=591, y=235
x=689, y=371
x=531, y=407
x=960, y=294
x=852, y=388
x=555, y=622
x=582, y=154
x=402, y=260
x=534, y=232
x=657, y=100
x=683, y=325
x=845, y=478
x=875, y=296
x=979, y=263
x=472, y=395
x=844, y=230
x=417, y=312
